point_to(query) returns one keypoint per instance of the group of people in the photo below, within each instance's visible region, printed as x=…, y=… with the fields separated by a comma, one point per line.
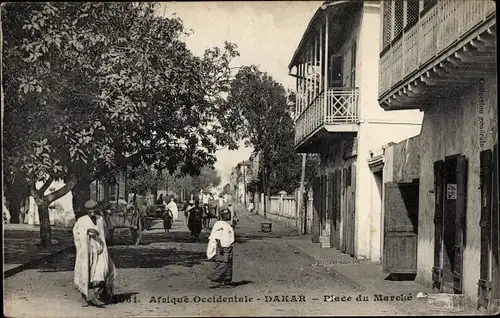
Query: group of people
x=95, y=271
x=169, y=204
x=195, y=215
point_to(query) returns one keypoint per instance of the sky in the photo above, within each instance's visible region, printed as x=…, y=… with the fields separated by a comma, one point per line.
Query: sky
x=266, y=33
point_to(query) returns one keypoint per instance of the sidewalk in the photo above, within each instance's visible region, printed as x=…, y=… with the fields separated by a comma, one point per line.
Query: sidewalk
x=22, y=250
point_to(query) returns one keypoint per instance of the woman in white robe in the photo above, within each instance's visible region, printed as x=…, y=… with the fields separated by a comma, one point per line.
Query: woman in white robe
x=94, y=270
x=220, y=249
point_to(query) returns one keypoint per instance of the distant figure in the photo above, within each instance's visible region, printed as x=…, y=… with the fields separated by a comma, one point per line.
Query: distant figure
x=220, y=249
x=195, y=222
x=94, y=273
x=6, y=213
x=172, y=206
x=205, y=199
x=187, y=210
x=221, y=201
x=134, y=201
x=250, y=206
x=122, y=201
x=160, y=199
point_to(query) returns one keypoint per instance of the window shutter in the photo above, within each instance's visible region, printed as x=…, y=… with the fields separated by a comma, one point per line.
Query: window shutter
x=438, y=222
x=336, y=62
x=398, y=18
x=460, y=223
x=387, y=26
x=412, y=12
x=485, y=181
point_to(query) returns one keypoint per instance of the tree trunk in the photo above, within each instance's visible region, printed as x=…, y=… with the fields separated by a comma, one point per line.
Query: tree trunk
x=45, y=230
x=15, y=194
x=105, y=184
x=81, y=194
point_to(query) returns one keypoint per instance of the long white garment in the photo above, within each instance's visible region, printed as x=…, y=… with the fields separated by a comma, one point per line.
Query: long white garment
x=172, y=206
x=222, y=231
x=92, y=263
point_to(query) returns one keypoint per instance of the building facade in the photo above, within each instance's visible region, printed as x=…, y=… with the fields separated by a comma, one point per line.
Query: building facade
x=239, y=179
x=338, y=118
x=440, y=57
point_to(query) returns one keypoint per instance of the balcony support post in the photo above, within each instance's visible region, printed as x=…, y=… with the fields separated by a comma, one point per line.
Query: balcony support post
x=297, y=98
x=299, y=67
x=315, y=67
x=301, y=88
x=321, y=77
x=325, y=99
x=309, y=67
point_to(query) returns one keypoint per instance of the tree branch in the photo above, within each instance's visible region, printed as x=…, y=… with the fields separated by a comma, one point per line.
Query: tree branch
x=61, y=192
x=45, y=186
x=34, y=192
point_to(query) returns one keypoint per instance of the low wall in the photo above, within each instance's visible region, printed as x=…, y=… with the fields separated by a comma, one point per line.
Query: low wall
x=283, y=209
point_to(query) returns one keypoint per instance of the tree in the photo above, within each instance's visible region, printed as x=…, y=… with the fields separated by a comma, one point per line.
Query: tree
x=260, y=111
x=143, y=179
x=103, y=86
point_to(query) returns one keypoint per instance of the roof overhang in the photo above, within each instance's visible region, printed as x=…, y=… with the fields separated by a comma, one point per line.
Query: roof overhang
x=328, y=7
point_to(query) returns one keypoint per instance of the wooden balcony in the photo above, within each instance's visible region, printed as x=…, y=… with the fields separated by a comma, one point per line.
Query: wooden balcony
x=333, y=111
x=452, y=44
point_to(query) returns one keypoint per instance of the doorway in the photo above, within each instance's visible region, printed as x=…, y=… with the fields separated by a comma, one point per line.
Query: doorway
x=377, y=215
x=450, y=197
x=400, y=227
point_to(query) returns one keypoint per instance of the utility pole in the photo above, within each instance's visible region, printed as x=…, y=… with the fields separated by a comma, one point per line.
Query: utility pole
x=245, y=186
x=301, y=190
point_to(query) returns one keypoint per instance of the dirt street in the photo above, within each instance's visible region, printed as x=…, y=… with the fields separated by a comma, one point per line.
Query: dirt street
x=166, y=275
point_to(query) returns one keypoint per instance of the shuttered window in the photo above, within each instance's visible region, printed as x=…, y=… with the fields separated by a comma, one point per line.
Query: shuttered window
x=387, y=23
x=398, y=18
x=412, y=8
x=336, y=62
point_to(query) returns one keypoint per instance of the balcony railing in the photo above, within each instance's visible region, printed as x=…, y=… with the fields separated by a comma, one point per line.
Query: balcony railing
x=436, y=31
x=341, y=106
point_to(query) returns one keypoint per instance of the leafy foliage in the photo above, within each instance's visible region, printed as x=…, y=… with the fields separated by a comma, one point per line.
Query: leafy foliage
x=259, y=110
x=143, y=179
x=93, y=87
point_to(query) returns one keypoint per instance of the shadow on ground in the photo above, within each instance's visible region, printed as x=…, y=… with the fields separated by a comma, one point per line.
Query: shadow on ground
x=234, y=284
x=401, y=277
x=132, y=258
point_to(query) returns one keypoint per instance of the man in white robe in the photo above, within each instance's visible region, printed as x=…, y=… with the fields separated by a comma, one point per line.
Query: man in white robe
x=94, y=270
x=172, y=206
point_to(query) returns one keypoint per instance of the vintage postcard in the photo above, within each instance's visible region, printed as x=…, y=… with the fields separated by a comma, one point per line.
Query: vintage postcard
x=267, y=158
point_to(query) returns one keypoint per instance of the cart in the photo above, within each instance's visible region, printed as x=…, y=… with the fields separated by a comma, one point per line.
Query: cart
x=137, y=219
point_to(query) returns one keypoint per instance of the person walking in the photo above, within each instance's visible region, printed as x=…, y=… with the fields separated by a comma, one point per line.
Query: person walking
x=195, y=220
x=94, y=272
x=234, y=218
x=160, y=199
x=172, y=206
x=187, y=210
x=220, y=250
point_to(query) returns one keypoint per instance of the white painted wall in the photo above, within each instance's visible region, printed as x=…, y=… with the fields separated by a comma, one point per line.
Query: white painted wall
x=62, y=213
x=376, y=129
